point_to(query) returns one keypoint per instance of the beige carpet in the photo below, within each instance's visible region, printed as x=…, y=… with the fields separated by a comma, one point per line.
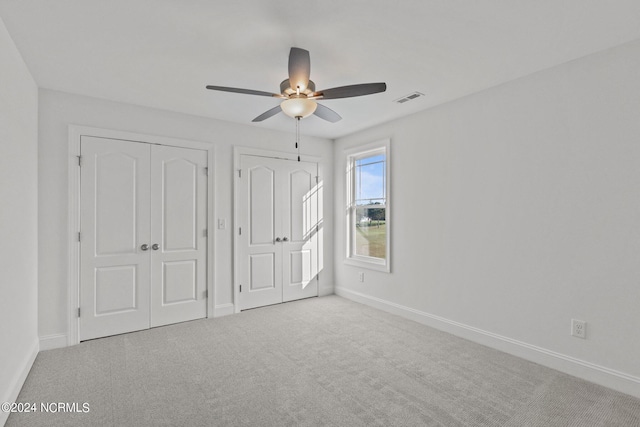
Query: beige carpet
x=321, y=361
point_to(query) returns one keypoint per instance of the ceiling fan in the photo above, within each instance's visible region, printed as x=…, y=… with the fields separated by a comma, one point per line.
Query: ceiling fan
x=300, y=95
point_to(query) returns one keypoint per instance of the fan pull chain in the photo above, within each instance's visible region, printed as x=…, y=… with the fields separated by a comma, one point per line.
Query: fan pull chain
x=298, y=136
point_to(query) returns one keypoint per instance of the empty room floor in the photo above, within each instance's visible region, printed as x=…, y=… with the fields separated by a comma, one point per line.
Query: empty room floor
x=321, y=361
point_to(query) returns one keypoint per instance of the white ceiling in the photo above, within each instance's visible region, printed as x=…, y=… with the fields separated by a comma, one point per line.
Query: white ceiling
x=162, y=53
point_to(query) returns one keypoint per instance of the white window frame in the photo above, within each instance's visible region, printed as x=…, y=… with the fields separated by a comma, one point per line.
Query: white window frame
x=351, y=155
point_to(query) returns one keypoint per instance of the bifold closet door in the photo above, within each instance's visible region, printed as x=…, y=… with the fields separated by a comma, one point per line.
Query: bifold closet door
x=143, y=241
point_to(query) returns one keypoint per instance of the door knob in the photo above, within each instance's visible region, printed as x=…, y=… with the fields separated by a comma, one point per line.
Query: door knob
x=278, y=239
x=144, y=247
x=155, y=247
x=285, y=239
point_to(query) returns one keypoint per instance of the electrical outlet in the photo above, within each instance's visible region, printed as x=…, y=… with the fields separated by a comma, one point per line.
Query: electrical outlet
x=579, y=328
x=361, y=276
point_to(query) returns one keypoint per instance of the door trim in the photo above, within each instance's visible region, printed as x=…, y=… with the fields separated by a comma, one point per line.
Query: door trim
x=237, y=153
x=73, y=219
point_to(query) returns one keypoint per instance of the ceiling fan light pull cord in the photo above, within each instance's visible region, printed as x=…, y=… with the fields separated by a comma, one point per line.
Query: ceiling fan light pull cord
x=298, y=136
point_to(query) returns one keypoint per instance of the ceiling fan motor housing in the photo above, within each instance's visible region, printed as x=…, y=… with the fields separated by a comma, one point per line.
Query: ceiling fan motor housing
x=286, y=89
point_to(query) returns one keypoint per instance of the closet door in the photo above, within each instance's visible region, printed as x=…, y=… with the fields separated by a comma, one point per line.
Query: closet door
x=114, y=217
x=143, y=250
x=178, y=234
x=277, y=241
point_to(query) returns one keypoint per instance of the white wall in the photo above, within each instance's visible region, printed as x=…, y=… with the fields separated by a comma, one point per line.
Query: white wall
x=18, y=220
x=58, y=110
x=515, y=210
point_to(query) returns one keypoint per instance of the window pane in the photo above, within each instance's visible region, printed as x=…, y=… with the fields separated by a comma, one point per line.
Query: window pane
x=370, y=232
x=370, y=159
x=370, y=180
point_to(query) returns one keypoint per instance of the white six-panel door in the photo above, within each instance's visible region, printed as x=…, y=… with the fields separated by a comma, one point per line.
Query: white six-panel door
x=277, y=242
x=143, y=241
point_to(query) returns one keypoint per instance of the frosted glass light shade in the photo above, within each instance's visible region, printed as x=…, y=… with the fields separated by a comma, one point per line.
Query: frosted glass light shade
x=298, y=107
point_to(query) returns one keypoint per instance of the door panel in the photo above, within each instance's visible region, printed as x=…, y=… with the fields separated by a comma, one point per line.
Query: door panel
x=174, y=277
x=300, y=182
x=300, y=267
x=115, y=186
x=179, y=201
x=115, y=289
x=262, y=204
x=262, y=272
x=178, y=219
x=114, y=215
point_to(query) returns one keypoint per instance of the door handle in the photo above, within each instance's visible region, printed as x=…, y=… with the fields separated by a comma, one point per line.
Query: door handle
x=278, y=239
x=144, y=247
x=285, y=239
x=155, y=247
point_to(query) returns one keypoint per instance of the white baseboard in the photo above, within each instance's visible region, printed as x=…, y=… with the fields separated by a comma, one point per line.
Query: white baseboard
x=601, y=375
x=49, y=342
x=18, y=380
x=223, y=310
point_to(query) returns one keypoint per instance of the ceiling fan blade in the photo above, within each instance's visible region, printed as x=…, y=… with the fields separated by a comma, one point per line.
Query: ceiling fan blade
x=299, y=68
x=267, y=114
x=327, y=113
x=245, y=91
x=350, y=91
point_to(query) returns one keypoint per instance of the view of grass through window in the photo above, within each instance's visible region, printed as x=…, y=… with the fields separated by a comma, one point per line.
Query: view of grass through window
x=370, y=211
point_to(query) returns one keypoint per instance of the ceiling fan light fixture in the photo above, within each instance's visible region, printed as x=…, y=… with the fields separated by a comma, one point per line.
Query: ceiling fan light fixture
x=298, y=107
x=300, y=93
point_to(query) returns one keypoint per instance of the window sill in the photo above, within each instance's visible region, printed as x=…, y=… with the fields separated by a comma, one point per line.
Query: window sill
x=371, y=265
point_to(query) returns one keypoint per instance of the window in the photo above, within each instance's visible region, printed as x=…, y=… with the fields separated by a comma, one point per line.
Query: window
x=368, y=226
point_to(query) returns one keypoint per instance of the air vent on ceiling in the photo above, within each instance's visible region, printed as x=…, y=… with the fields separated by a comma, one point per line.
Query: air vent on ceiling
x=409, y=97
